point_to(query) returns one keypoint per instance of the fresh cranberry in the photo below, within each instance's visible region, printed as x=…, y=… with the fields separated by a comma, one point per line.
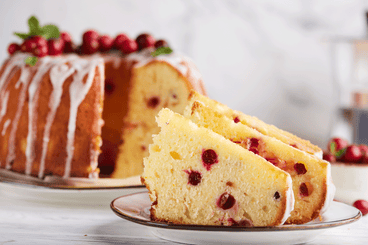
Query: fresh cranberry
x=364, y=149
x=145, y=40
x=129, y=46
x=362, y=205
x=339, y=144
x=39, y=41
x=90, y=47
x=161, y=43
x=90, y=35
x=27, y=46
x=13, y=47
x=300, y=168
x=225, y=201
x=119, y=39
x=40, y=51
x=56, y=46
x=353, y=154
x=209, y=157
x=65, y=37
x=303, y=190
x=329, y=157
x=194, y=177
x=236, y=120
x=105, y=43
x=69, y=47
x=276, y=195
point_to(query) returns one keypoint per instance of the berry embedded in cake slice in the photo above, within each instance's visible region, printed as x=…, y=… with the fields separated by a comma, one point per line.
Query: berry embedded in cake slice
x=257, y=124
x=311, y=176
x=196, y=176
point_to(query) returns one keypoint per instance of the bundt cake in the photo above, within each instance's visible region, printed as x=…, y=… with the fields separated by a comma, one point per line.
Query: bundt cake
x=311, y=176
x=62, y=105
x=196, y=176
x=259, y=125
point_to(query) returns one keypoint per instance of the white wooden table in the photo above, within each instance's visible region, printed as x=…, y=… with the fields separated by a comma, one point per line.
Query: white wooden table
x=30, y=221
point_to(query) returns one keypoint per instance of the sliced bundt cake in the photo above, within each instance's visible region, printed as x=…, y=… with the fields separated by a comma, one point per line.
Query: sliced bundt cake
x=311, y=176
x=196, y=176
x=259, y=125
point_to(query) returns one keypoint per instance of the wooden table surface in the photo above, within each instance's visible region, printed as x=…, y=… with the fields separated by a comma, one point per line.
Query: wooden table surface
x=25, y=220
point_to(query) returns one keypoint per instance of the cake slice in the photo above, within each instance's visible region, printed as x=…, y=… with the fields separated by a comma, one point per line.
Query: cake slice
x=311, y=176
x=257, y=124
x=196, y=176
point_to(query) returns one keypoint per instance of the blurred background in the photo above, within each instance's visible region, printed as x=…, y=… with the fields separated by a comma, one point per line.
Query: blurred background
x=291, y=63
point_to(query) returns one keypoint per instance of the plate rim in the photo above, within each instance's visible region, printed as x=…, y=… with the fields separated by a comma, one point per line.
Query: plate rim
x=21, y=180
x=217, y=228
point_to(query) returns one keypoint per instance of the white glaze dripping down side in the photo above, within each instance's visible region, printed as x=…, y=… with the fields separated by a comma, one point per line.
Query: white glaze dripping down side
x=33, y=94
x=58, y=75
x=17, y=60
x=180, y=62
x=4, y=104
x=78, y=90
x=5, y=127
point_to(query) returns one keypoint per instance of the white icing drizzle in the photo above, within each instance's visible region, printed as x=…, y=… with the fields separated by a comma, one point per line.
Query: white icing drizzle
x=182, y=64
x=5, y=127
x=4, y=104
x=290, y=200
x=16, y=60
x=58, y=75
x=330, y=192
x=45, y=65
x=78, y=90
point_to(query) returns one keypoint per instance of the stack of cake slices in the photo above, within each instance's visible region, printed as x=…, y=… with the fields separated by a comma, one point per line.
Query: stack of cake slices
x=217, y=166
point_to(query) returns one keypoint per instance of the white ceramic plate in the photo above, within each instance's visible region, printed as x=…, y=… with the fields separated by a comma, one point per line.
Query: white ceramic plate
x=73, y=191
x=135, y=207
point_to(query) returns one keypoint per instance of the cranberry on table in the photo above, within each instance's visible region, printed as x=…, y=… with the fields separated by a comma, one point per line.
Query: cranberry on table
x=119, y=39
x=353, y=154
x=362, y=205
x=13, y=47
x=145, y=41
x=129, y=46
x=161, y=43
x=105, y=42
x=56, y=46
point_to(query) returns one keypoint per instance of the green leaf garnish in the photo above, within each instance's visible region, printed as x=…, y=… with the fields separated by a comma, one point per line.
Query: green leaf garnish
x=21, y=35
x=333, y=148
x=34, y=26
x=31, y=60
x=50, y=31
x=47, y=31
x=161, y=50
x=340, y=153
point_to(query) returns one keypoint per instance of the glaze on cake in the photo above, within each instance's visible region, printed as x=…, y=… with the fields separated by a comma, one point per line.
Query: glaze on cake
x=58, y=116
x=196, y=176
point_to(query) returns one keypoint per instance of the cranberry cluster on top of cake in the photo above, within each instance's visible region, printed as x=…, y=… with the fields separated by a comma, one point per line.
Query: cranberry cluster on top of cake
x=40, y=42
